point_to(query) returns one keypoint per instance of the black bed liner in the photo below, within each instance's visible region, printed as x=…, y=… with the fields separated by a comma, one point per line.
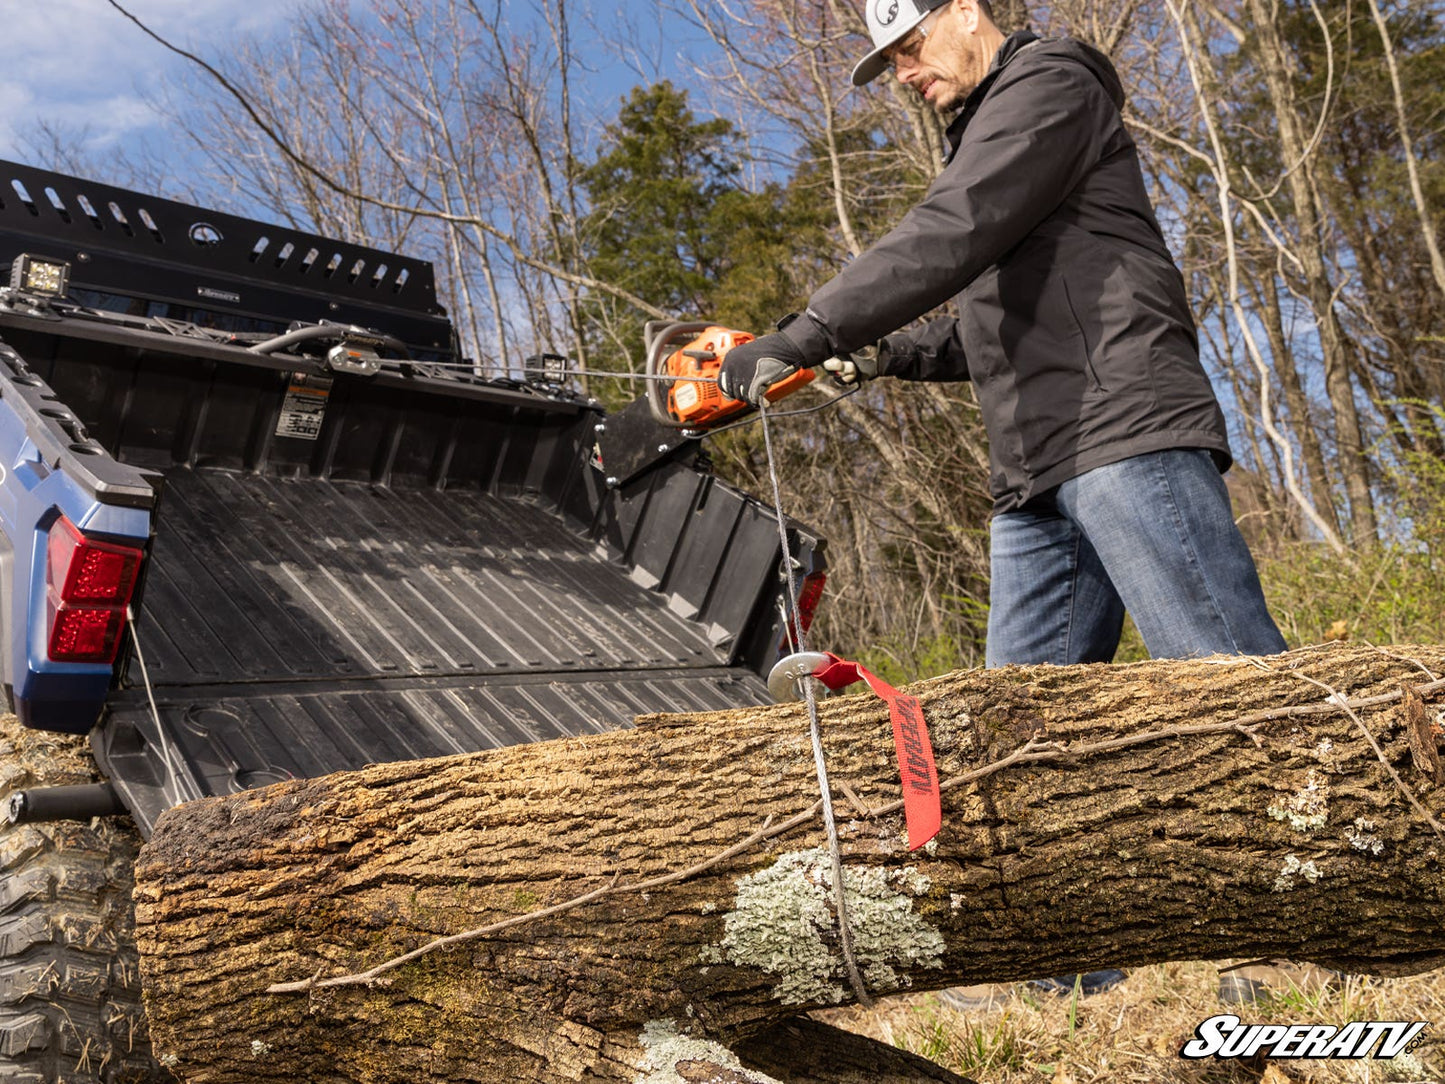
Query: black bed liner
x=260, y=579
x=298, y=626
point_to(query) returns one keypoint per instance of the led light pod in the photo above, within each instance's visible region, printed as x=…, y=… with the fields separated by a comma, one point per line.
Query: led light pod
x=39, y=276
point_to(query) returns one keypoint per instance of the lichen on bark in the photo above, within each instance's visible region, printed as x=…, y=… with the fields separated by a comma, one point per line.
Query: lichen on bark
x=664, y=1047
x=783, y=923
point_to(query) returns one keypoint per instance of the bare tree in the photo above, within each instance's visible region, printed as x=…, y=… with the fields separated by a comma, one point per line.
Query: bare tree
x=350, y=133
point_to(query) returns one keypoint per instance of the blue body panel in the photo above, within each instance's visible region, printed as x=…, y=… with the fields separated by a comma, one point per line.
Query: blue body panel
x=47, y=469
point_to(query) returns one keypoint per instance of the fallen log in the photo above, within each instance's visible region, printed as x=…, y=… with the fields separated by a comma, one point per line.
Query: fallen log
x=654, y=903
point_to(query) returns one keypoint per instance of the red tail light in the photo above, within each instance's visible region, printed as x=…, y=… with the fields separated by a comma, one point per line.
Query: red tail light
x=88, y=586
x=807, y=606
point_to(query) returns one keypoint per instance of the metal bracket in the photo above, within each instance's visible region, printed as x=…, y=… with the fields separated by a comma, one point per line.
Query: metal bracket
x=348, y=357
x=789, y=671
x=631, y=442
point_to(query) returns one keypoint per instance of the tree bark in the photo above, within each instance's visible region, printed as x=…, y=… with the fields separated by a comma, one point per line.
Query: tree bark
x=1093, y=816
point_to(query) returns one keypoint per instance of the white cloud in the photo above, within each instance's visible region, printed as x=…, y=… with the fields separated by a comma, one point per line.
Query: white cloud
x=81, y=65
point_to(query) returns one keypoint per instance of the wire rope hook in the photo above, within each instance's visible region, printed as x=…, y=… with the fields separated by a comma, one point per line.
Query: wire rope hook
x=804, y=682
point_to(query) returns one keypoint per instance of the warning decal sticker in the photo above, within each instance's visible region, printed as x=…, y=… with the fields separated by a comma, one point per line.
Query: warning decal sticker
x=304, y=407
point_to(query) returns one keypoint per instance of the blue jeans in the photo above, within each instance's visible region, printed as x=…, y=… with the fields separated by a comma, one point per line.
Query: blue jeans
x=1153, y=535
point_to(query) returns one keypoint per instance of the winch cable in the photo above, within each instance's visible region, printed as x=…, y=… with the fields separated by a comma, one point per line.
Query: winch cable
x=749, y=419
x=172, y=762
x=845, y=931
x=464, y=369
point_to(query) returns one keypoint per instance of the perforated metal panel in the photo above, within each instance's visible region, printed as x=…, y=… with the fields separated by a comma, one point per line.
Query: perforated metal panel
x=184, y=262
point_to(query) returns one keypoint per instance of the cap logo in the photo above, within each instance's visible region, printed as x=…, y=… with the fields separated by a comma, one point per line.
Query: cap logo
x=885, y=11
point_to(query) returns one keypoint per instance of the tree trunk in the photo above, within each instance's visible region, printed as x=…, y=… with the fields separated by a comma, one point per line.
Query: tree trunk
x=1092, y=816
x=1317, y=282
x=1296, y=398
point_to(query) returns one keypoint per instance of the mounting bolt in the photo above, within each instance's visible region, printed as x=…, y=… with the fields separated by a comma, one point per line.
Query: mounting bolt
x=600, y=427
x=613, y=482
x=663, y=447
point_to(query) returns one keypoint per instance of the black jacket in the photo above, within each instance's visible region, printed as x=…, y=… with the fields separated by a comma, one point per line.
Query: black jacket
x=1075, y=328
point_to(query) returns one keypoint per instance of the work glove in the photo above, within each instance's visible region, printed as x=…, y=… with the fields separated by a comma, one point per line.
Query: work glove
x=749, y=370
x=856, y=367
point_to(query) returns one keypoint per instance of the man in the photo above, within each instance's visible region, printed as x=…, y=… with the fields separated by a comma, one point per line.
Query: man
x=1106, y=440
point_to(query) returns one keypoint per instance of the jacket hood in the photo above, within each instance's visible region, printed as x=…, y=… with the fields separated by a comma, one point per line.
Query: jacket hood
x=1094, y=60
x=1021, y=41
x=1085, y=54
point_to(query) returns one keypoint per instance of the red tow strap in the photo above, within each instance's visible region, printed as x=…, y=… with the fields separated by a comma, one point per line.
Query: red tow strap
x=922, y=803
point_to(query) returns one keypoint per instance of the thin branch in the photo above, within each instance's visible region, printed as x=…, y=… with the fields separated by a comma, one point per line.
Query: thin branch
x=363, y=978
x=1409, y=794
x=1427, y=229
x=1405, y=658
x=1221, y=179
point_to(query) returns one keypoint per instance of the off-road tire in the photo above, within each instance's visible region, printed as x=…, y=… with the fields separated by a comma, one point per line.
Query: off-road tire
x=70, y=991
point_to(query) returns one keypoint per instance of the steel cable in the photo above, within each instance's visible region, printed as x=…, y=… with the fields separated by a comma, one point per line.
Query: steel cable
x=845, y=932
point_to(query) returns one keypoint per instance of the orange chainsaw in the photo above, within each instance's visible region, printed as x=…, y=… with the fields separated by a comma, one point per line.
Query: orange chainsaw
x=683, y=361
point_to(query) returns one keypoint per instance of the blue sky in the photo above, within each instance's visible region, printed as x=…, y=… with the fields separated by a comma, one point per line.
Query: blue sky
x=81, y=64
x=91, y=72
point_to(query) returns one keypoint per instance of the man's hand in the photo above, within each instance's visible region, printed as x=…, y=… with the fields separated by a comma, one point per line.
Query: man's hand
x=856, y=367
x=751, y=369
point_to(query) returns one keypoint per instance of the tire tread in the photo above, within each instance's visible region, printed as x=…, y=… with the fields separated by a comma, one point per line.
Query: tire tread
x=70, y=992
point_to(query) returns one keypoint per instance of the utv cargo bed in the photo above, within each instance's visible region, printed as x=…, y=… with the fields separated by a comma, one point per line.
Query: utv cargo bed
x=346, y=564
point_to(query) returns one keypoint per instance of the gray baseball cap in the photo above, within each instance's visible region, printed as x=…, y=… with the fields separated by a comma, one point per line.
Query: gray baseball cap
x=888, y=22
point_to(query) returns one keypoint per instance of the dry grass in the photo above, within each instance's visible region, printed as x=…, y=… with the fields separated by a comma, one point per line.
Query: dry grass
x=1133, y=1032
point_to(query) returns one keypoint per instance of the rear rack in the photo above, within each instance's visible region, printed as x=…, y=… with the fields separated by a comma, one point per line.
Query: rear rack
x=160, y=258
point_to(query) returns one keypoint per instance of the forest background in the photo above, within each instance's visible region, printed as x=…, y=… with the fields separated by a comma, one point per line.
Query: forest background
x=1292, y=148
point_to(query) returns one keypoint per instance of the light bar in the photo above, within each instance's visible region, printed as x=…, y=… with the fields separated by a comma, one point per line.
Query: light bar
x=39, y=276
